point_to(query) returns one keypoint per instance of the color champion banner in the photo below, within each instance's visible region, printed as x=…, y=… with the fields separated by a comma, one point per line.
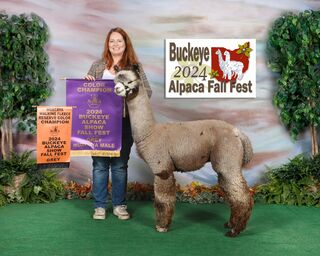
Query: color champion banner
x=96, y=119
x=53, y=136
x=210, y=68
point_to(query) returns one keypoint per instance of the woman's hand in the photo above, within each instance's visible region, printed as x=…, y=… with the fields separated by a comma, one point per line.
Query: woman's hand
x=89, y=77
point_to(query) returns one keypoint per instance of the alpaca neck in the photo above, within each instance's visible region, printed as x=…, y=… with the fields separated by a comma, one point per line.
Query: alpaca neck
x=227, y=58
x=141, y=115
x=221, y=61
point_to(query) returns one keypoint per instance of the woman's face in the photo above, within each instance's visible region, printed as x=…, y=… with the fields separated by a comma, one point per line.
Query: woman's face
x=116, y=44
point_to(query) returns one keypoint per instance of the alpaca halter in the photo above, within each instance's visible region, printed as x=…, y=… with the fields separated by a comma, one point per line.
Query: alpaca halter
x=130, y=92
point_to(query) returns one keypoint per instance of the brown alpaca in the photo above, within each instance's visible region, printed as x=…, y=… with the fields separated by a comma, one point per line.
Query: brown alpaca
x=187, y=146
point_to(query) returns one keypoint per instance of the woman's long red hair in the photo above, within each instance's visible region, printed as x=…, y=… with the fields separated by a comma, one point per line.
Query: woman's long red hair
x=129, y=56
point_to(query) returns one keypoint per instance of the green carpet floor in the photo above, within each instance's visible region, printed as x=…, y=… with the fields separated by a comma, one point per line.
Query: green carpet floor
x=66, y=228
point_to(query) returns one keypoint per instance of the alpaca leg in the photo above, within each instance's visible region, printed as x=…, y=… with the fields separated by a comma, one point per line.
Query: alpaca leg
x=240, y=200
x=228, y=166
x=224, y=75
x=229, y=74
x=240, y=75
x=164, y=201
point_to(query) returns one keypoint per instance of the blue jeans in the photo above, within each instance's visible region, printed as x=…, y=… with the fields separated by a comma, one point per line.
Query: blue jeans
x=119, y=167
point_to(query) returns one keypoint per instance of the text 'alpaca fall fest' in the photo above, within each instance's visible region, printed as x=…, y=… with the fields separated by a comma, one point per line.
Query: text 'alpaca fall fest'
x=210, y=68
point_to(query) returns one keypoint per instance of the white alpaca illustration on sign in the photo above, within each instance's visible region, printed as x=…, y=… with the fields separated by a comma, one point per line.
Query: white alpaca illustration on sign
x=228, y=67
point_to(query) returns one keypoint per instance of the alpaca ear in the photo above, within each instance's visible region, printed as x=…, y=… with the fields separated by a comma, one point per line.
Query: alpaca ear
x=135, y=67
x=116, y=68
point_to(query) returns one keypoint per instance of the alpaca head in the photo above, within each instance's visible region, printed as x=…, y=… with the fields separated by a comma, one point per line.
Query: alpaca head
x=127, y=83
x=226, y=53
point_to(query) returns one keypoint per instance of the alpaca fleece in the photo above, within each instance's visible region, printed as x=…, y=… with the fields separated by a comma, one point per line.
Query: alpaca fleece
x=184, y=147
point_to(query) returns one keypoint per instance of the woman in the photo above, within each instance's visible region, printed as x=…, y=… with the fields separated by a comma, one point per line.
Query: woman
x=118, y=51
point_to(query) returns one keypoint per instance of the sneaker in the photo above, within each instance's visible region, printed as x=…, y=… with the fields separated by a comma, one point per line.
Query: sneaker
x=99, y=213
x=121, y=212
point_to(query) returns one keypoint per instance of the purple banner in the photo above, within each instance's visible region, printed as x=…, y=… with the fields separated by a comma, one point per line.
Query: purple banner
x=96, y=117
